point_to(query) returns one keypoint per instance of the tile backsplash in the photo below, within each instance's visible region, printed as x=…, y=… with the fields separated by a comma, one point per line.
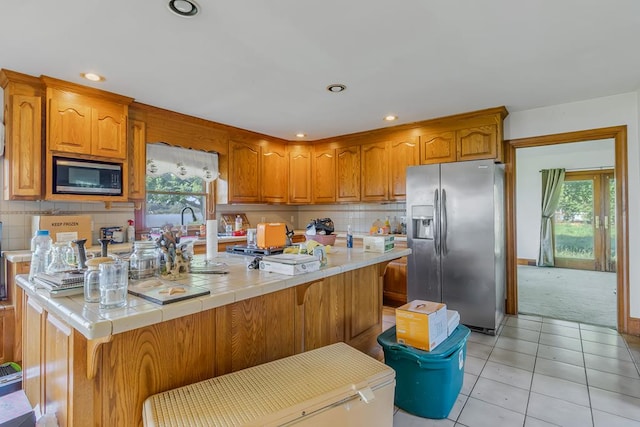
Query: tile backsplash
x=16, y=217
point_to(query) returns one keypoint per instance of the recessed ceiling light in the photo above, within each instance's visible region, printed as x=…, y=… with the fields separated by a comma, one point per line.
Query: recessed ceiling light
x=93, y=77
x=184, y=8
x=390, y=118
x=300, y=135
x=336, y=87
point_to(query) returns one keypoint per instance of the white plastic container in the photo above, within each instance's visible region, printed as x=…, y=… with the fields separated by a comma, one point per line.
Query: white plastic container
x=41, y=251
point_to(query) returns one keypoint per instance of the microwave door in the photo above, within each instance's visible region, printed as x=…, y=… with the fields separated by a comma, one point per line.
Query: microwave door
x=87, y=177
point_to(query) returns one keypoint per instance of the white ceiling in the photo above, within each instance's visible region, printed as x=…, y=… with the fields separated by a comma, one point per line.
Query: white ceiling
x=264, y=65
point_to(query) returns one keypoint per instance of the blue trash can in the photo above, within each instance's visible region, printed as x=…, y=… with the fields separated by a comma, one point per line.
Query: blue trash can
x=427, y=382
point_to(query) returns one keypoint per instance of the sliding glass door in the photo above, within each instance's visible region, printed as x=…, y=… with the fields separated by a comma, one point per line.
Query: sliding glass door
x=584, y=222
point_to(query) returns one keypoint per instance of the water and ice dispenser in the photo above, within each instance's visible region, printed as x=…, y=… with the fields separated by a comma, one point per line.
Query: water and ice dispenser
x=423, y=222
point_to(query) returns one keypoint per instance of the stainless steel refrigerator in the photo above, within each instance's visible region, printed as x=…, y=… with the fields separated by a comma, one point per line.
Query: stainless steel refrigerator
x=456, y=230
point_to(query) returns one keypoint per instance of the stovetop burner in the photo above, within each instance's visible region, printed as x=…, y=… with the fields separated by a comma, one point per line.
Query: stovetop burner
x=245, y=250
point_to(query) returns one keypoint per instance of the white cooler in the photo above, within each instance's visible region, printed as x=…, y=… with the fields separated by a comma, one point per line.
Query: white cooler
x=335, y=385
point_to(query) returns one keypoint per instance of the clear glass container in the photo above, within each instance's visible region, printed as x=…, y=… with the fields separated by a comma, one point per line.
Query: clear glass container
x=58, y=262
x=144, y=262
x=92, y=284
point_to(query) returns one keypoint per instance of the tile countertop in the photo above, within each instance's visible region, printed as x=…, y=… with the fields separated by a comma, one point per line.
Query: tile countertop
x=239, y=284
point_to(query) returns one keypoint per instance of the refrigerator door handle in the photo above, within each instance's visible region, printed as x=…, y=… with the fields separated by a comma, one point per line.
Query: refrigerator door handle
x=436, y=223
x=444, y=230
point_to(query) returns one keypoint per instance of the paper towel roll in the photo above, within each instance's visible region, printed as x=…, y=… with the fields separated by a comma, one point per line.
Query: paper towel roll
x=212, y=238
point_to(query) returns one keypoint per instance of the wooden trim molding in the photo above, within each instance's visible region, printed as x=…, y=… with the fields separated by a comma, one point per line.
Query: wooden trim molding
x=93, y=356
x=626, y=324
x=526, y=261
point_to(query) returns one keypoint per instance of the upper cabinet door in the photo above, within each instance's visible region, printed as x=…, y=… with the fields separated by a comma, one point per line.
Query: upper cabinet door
x=244, y=172
x=109, y=130
x=23, y=154
x=324, y=175
x=438, y=147
x=402, y=153
x=274, y=173
x=69, y=122
x=137, y=159
x=85, y=125
x=299, y=174
x=374, y=177
x=477, y=143
x=348, y=174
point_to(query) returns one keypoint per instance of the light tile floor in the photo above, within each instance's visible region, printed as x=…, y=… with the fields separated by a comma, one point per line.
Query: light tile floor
x=544, y=372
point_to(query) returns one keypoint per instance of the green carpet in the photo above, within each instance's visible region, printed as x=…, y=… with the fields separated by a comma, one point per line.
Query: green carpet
x=567, y=294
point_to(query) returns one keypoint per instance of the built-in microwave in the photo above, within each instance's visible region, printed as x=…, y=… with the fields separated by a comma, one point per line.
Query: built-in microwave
x=78, y=176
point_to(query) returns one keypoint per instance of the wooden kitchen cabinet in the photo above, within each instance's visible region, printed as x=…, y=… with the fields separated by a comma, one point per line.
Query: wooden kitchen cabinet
x=14, y=298
x=23, y=159
x=275, y=171
x=137, y=160
x=53, y=353
x=395, y=283
x=299, y=174
x=375, y=172
x=254, y=331
x=320, y=313
x=79, y=124
x=323, y=174
x=33, y=358
x=363, y=308
x=437, y=147
x=477, y=136
x=476, y=143
x=244, y=172
x=403, y=153
x=348, y=174
x=7, y=332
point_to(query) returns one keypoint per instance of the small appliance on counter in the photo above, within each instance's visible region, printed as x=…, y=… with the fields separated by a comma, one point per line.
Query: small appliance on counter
x=115, y=234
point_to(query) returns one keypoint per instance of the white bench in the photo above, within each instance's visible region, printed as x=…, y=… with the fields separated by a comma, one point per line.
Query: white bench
x=333, y=385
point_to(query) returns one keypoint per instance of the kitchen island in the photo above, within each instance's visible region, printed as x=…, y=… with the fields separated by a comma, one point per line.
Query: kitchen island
x=96, y=367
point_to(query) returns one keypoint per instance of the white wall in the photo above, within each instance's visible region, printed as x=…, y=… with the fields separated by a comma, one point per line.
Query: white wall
x=529, y=162
x=595, y=113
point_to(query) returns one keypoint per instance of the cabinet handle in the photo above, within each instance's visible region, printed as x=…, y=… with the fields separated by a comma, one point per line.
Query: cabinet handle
x=597, y=222
x=606, y=222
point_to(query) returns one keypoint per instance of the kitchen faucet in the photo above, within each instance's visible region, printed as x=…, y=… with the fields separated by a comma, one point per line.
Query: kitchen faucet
x=193, y=215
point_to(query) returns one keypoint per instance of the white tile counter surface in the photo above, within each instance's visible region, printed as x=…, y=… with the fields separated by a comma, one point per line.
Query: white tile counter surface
x=239, y=284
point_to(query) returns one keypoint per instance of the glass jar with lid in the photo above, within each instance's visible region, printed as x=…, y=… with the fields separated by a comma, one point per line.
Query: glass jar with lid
x=144, y=262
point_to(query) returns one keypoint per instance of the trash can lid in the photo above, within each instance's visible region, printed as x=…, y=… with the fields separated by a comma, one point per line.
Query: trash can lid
x=445, y=349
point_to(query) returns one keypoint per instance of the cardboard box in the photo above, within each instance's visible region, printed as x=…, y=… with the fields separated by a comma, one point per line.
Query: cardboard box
x=16, y=411
x=64, y=228
x=421, y=324
x=290, y=264
x=380, y=244
x=453, y=320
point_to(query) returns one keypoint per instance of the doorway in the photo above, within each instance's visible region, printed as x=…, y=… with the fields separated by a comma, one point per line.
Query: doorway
x=584, y=221
x=619, y=135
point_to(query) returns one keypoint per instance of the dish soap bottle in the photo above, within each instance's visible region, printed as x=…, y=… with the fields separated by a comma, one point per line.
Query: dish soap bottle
x=349, y=237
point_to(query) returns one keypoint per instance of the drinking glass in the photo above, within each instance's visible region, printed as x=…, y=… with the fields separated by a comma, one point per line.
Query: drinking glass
x=114, y=277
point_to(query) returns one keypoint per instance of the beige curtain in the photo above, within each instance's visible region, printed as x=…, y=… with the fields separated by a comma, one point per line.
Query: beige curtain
x=552, y=180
